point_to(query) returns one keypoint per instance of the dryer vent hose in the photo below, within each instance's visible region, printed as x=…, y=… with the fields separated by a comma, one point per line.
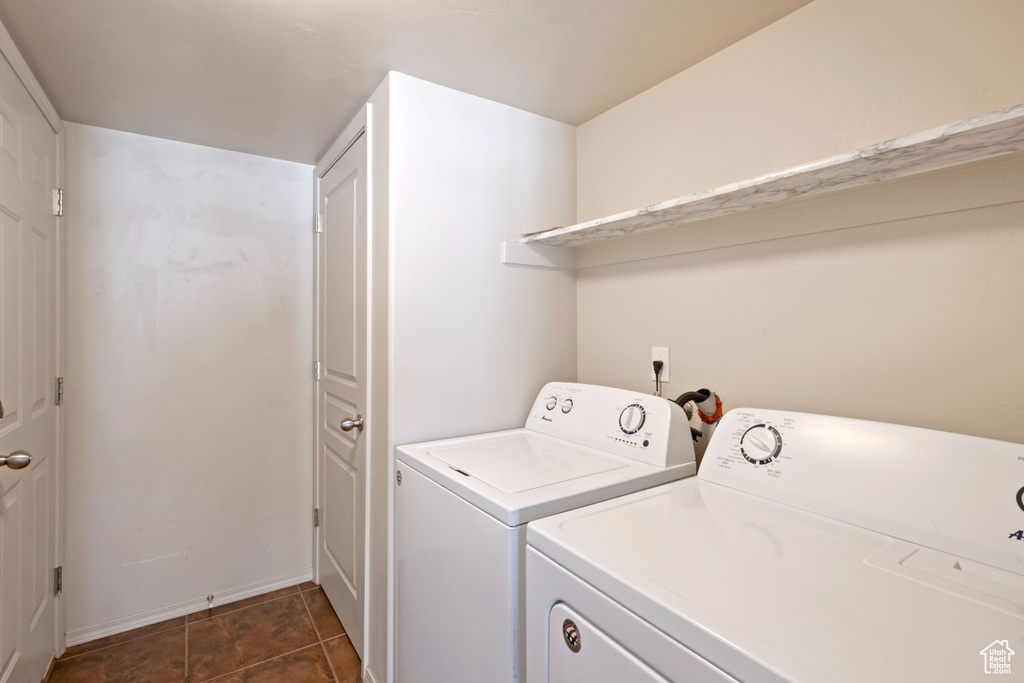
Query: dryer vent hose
x=695, y=396
x=710, y=410
x=709, y=404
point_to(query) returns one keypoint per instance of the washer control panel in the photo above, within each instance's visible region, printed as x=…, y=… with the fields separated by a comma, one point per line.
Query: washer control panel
x=632, y=418
x=959, y=494
x=638, y=426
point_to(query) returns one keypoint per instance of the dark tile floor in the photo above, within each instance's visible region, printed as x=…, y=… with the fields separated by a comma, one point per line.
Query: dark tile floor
x=288, y=636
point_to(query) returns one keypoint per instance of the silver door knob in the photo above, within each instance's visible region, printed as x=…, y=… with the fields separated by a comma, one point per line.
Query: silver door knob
x=16, y=460
x=349, y=425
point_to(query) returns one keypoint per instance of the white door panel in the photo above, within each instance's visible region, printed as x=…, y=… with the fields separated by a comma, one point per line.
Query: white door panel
x=339, y=516
x=10, y=618
x=341, y=391
x=28, y=357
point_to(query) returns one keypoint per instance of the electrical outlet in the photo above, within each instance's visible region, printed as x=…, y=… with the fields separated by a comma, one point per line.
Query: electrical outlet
x=660, y=353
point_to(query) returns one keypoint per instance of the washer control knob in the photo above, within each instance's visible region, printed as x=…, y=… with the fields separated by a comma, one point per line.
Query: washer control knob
x=761, y=444
x=631, y=419
x=550, y=402
x=567, y=405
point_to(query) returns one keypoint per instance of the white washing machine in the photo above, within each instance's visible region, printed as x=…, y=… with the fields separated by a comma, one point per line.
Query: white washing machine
x=808, y=548
x=461, y=508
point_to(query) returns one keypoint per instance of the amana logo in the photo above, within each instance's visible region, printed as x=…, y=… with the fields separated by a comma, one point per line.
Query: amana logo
x=571, y=635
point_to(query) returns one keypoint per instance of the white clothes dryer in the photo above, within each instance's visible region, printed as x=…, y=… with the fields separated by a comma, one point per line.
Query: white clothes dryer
x=461, y=508
x=807, y=548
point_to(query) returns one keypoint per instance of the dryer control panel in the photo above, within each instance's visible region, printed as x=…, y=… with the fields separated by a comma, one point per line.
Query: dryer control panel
x=639, y=426
x=960, y=494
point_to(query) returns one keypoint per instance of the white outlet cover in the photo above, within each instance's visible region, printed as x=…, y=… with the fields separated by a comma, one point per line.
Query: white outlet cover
x=660, y=353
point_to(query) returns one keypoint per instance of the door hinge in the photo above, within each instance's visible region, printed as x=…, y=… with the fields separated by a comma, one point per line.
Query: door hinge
x=316, y=517
x=58, y=391
x=316, y=224
x=58, y=202
x=58, y=580
x=316, y=371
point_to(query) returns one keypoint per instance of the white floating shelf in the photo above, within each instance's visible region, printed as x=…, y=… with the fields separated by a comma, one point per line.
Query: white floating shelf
x=974, y=139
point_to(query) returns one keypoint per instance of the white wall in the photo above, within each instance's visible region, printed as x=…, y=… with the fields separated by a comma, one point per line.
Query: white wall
x=470, y=341
x=188, y=373
x=902, y=302
x=834, y=76
x=473, y=339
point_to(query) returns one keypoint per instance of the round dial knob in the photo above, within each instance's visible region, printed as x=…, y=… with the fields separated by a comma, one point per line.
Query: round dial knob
x=567, y=405
x=632, y=418
x=550, y=402
x=761, y=444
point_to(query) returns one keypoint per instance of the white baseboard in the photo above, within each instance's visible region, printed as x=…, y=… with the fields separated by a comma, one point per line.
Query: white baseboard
x=154, y=616
x=370, y=678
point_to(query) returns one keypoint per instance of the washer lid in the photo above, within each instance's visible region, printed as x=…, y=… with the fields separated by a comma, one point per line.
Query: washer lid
x=520, y=475
x=524, y=461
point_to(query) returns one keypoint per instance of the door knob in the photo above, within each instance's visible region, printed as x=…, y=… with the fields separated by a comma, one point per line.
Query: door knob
x=349, y=425
x=16, y=460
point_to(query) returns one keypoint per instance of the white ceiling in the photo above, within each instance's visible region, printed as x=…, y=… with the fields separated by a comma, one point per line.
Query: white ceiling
x=280, y=78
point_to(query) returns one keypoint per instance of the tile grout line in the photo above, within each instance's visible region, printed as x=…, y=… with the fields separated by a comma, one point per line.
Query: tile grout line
x=337, y=635
x=310, y=615
x=186, y=632
x=255, y=604
x=284, y=654
x=185, y=675
x=330, y=664
x=253, y=666
x=343, y=631
x=64, y=658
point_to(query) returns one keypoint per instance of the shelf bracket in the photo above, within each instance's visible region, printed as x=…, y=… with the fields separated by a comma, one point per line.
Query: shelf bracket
x=537, y=255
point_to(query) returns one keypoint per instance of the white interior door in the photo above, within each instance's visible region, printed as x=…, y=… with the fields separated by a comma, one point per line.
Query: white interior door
x=28, y=355
x=341, y=391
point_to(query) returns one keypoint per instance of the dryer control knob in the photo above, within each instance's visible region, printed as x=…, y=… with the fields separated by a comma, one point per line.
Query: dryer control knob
x=761, y=444
x=567, y=405
x=550, y=402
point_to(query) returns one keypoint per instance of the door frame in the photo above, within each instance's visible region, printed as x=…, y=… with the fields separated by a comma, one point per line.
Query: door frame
x=60, y=497
x=9, y=51
x=356, y=128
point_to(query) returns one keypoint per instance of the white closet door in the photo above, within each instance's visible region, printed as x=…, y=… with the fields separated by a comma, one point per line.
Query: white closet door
x=28, y=354
x=341, y=391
